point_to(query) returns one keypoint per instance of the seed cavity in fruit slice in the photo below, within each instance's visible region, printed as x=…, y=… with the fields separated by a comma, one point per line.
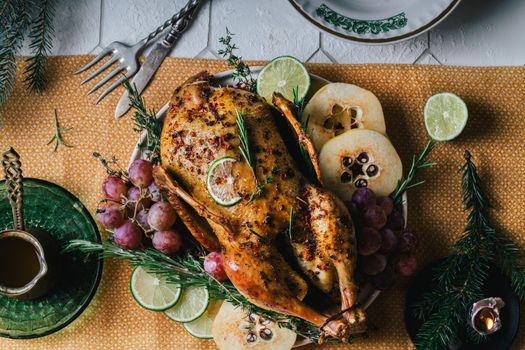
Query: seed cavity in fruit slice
x=234, y=329
x=221, y=182
x=360, y=158
x=339, y=107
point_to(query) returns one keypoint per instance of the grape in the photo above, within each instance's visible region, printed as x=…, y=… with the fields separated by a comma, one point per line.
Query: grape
x=363, y=196
x=406, y=265
x=114, y=188
x=389, y=240
x=385, y=279
x=142, y=219
x=368, y=241
x=140, y=173
x=213, y=266
x=352, y=208
x=167, y=242
x=395, y=220
x=386, y=203
x=110, y=215
x=154, y=192
x=407, y=242
x=373, y=264
x=128, y=235
x=134, y=193
x=373, y=216
x=161, y=216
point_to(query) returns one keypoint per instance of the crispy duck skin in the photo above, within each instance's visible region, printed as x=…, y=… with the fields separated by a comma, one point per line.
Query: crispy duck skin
x=201, y=127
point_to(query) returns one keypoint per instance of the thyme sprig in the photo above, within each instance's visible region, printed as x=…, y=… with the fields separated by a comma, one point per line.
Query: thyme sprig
x=58, y=138
x=187, y=270
x=145, y=119
x=112, y=166
x=417, y=163
x=241, y=71
x=460, y=278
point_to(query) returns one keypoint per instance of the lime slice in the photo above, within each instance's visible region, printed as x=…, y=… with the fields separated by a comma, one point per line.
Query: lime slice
x=445, y=116
x=220, y=182
x=152, y=292
x=201, y=327
x=192, y=304
x=283, y=74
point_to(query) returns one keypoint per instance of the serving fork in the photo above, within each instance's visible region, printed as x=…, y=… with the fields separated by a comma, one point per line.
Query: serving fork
x=126, y=55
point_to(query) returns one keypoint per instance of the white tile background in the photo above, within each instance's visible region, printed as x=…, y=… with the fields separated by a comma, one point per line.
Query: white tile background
x=479, y=32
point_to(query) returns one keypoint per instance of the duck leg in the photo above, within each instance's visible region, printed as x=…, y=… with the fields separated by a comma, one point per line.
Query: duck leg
x=332, y=227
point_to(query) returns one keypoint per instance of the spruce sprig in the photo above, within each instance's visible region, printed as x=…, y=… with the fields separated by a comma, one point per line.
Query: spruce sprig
x=187, y=270
x=460, y=278
x=41, y=35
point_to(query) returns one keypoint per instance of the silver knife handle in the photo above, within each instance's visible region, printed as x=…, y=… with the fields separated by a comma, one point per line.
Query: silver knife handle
x=179, y=27
x=190, y=5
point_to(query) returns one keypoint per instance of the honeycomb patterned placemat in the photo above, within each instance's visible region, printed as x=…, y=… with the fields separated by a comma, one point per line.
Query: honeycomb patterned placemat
x=495, y=134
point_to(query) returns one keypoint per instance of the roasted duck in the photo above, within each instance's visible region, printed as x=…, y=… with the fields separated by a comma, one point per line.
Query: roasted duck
x=200, y=128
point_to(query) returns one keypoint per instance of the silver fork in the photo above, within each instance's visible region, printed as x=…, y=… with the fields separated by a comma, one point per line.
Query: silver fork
x=126, y=55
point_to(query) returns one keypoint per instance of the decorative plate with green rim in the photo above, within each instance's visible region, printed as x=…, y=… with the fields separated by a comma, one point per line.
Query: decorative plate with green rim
x=51, y=208
x=377, y=21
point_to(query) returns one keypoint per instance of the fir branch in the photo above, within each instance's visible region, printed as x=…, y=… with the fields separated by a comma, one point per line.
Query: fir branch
x=242, y=73
x=187, y=270
x=460, y=278
x=41, y=34
x=417, y=164
x=58, y=138
x=145, y=119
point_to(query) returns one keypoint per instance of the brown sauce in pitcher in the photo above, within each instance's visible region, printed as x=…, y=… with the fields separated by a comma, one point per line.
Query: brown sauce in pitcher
x=19, y=262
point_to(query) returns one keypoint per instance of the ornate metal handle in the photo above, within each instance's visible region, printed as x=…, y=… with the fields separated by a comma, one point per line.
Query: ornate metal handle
x=179, y=27
x=189, y=6
x=13, y=183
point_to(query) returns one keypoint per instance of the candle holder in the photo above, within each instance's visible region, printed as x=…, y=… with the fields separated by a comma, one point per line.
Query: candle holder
x=485, y=315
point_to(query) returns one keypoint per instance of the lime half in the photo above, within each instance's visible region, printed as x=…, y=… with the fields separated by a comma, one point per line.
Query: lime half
x=192, y=304
x=201, y=327
x=153, y=292
x=220, y=182
x=445, y=116
x=283, y=74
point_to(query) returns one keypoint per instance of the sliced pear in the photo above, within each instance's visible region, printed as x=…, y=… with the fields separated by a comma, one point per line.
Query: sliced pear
x=234, y=329
x=339, y=107
x=360, y=158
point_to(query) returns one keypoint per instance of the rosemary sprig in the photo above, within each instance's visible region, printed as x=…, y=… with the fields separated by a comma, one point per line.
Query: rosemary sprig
x=58, y=138
x=242, y=73
x=417, y=164
x=187, y=270
x=145, y=119
x=244, y=145
x=298, y=102
x=460, y=278
x=41, y=34
x=262, y=239
x=290, y=223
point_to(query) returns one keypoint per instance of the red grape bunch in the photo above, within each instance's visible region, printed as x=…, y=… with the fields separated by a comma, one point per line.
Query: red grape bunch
x=384, y=246
x=133, y=208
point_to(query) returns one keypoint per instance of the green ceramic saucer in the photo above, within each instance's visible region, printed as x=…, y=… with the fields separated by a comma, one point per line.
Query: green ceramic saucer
x=53, y=209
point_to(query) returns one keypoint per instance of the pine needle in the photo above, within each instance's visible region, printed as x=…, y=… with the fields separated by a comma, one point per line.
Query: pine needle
x=41, y=35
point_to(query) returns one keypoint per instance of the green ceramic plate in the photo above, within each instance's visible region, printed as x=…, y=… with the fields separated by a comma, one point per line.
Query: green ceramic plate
x=53, y=209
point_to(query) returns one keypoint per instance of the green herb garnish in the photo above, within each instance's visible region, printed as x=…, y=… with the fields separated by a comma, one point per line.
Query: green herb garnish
x=242, y=73
x=58, y=138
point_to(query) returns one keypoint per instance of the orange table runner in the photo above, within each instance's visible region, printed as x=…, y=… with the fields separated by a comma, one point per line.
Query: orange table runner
x=495, y=134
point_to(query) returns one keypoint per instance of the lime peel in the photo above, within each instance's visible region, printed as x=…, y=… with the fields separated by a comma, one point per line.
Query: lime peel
x=192, y=304
x=222, y=193
x=152, y=292
x=446, y=116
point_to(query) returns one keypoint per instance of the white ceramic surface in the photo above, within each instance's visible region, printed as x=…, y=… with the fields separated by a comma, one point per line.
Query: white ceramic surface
x=375, y=22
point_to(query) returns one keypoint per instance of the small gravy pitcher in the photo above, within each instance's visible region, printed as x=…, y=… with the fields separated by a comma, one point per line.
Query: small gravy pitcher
x=28, y=258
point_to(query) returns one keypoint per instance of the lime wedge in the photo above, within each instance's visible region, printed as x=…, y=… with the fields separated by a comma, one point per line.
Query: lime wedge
x=152, y=292
x=220, y=182
x=283, y=74
x=201, y=327
x=192, y=304
x=445, y=116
